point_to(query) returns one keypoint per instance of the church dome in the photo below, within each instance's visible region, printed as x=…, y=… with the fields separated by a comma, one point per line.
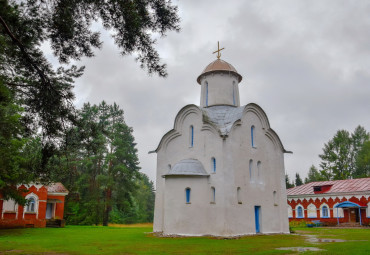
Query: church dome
x=188, y=167
x=219, y=65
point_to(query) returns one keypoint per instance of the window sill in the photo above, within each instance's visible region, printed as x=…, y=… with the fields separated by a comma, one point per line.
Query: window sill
x=212, y=203
x=276, y=205
x=254, y=147
x=29, y=212
x=240, y=203
x=188, y=203
x=10, y=212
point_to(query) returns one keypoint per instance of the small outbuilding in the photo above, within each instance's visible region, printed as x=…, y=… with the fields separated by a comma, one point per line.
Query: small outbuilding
x=44, y=207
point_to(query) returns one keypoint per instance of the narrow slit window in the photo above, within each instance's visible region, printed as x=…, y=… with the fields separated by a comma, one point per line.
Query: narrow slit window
x=238, y=195
x=191, y=136
x=274, y=197
x=250, y=169
x=213, y=165
x=187, y=195
x=252, y=137
x=259, y=170
x=213, y=195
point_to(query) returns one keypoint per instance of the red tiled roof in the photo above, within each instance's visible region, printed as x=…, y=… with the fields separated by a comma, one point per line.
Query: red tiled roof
x=353, y=185
x=57, y=188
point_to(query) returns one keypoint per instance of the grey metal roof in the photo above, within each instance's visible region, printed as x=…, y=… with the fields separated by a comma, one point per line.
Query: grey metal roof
x=223, y=116
x=188, y=167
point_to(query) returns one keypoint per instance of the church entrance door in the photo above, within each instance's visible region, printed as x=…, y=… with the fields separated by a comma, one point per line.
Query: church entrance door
x=257, y=216
x=49, y=210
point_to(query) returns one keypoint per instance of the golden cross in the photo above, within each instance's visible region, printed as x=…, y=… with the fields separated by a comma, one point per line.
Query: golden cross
x=218, y=51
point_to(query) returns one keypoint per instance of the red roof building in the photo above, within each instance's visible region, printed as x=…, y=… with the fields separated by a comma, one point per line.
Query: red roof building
x=45, y=206
x=331, y=202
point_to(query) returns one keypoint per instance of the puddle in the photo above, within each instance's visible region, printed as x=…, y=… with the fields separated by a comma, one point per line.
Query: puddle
x=314, y=239
x=299, y=249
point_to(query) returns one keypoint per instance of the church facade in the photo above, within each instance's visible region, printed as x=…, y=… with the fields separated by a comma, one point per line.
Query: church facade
x=220, y=170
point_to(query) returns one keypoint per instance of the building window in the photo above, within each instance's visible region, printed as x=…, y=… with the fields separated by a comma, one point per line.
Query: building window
x=274, y=195
x=31, y=205
x=206, y=93
x=10, y=206
x=250, y=169
x=191, y=131
x=259, y=170
x=187, y=195
x=252, y=137
x=213, y=195
x=290, y=212
x=311, y=211
x=325, y=212
x=299, y=212
x=213, y=161
x=238, y=195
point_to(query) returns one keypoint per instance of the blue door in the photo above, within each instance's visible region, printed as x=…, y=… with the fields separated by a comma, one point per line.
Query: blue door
x=257, y=210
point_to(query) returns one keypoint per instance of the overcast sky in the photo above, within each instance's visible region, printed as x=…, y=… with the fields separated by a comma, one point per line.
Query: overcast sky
x=306, y=63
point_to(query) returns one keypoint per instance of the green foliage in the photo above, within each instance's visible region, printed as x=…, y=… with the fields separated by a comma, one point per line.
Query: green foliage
x=298, y=180
x=100, y=169
x=340, y=155
x=363, y=161
x=287, y=182
x=314, y=175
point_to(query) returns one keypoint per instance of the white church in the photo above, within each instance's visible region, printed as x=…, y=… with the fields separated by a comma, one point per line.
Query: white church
x=220, y=170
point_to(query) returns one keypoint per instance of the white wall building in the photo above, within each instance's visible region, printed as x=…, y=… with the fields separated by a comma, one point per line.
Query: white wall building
x=220, y=170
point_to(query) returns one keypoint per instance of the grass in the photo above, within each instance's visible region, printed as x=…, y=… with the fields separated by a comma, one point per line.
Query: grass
x=136, y=239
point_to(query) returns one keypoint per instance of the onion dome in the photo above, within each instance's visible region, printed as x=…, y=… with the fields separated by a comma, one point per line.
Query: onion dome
x=219, y=65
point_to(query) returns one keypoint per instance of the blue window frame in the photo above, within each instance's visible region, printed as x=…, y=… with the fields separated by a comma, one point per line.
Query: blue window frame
x=299, y=212
x=214, y=165
x=325, y=212
x=187, y=194
x=191, y=136
x=252, y=136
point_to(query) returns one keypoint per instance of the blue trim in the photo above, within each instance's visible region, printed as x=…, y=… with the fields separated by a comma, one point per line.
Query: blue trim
x=192, y=136
x=214, y=165
x=257, y=218
x=347, y=204
x=187, y=191
x=252, y=135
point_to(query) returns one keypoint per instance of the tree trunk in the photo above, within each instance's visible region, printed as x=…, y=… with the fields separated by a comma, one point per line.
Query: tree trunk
x=108, y=207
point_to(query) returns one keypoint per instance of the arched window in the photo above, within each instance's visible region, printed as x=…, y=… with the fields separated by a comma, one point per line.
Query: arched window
x=253, y=137
x=250, y=169
x=311, y=211
x=259, y=170
x=290, y=212
x=213, y=161
x=213, y=195
x=187, y=195
x=299, y=212
x=206, y=93
x=325, y=212
x=191, y=135
x=238, y=195
x=31, y=205
x=274, y=195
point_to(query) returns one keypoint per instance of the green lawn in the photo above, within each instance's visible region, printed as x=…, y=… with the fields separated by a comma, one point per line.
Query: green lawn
x=138, y=240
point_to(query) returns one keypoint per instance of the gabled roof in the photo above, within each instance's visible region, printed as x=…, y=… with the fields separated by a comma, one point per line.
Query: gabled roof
x=340, y=186
x=56, y=188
